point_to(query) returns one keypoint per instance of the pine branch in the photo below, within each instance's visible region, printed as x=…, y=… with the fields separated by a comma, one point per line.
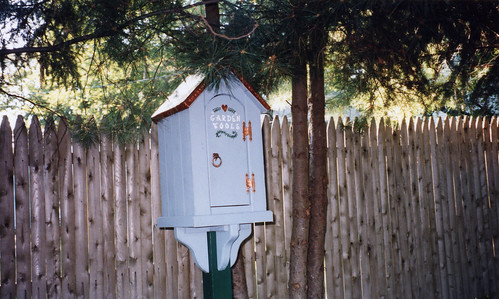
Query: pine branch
x=30, y=101
x=100, y=34
x=225, y=36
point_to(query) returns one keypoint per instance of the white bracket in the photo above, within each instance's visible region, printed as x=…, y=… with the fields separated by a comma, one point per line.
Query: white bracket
x=229, y=239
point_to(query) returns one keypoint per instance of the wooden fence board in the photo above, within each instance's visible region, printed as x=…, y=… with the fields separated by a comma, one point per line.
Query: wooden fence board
x=7, y=246
x=68, y=249
x=493, y=174
x=120, y=219
x=343, y=208
x=389, y=262
x=184, y=278
x=484, y=206
x=414, y=224
x=196, y=279
x=23, y=229
x=489, y=206
x=287, y=187
x=494, y=137
x=383, y=160
x=277, y=197
x=172, y=277
x=109, y=271
x=472, y=209
x=379, y=249
x=404, y=209
x=489, y=161
x=332, y=189
x=80, y=214
x=260, y=229
x=444, y=207
x=270, y=247
x=450, y=208
x=477, y=207
x=95, y=224
x=248, y=255
x=37, y=194
x=402, y=202
x=483, y=125
x=429, y=210
x=352, y=214
x=359, y=212
x=133, y=205
x=393, y=219
x=365, y=212
x=424, y=264
x=457, y=168
x=334, y=271
x=287, y=191
x=455, y=211
x=438, y=197
x=158, y=236
x=468, y=204
x=144, y=183
x=51, y=160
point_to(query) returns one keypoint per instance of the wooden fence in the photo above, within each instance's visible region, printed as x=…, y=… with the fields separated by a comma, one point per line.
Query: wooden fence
x=413, y=214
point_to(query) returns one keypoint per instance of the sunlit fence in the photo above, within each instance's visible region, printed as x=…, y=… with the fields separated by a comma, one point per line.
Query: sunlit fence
x=413, y=213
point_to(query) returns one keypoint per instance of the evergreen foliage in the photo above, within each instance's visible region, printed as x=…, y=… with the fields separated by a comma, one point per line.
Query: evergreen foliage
x=441, y=54
x=114, y=56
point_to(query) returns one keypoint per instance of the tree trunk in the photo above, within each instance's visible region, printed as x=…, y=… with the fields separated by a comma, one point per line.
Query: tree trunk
x=213, y=15
x=301, y=205
x=318, y=168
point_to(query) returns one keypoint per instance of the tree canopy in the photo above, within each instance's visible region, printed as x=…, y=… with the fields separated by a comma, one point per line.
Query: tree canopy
x=440, y=55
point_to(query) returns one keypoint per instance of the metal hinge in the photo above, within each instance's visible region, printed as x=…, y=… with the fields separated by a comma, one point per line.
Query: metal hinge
x=250, y=183
x=247, y=131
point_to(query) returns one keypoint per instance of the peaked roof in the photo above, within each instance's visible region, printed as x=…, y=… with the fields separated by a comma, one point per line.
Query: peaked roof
x=188, y=91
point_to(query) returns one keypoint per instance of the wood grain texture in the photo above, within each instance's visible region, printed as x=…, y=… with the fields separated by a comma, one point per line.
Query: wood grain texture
x=120, y=222
x=379, y=248
x=95, y=224
x=80, y=224
x=158, y=235
x=23, y=228
x=68, y=245
x=144, y=195
x=50, y=168
x=107, y=214
x=37, y=194
x=346, y=250
x=270, y=228
x=334, y=277
x=7, y=224
x=418, y=197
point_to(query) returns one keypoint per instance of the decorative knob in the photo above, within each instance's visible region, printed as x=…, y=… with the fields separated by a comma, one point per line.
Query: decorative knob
x=216, y=161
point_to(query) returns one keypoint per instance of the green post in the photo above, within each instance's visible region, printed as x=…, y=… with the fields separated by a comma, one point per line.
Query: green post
x=216, y=284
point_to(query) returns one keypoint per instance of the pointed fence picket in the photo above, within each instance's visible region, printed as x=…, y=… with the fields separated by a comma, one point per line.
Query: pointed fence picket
x=7, y=237
x=413, y=213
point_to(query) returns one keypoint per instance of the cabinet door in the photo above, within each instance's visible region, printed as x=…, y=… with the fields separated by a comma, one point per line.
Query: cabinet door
x=227, y=151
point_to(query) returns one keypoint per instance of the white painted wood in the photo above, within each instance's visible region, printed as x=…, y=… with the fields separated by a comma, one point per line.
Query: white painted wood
x=208, y=163
x=211, y=166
